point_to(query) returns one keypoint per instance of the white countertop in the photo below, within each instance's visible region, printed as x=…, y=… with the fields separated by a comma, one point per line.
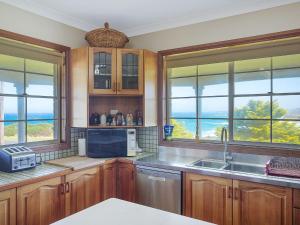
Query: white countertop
x=118, y=212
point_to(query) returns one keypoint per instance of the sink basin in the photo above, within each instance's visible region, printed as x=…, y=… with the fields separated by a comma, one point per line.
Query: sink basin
x=245, y=168
x=214, y=164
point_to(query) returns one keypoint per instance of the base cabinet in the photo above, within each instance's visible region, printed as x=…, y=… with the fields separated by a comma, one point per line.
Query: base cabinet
x=208, y=198
x=224, y=201
x=126, y=181
x=109, y=181
x=41, y=203
x=8, y=207
x=83, y=189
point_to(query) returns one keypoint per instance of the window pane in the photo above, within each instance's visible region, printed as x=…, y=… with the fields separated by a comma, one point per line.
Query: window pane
x=252, y=83
x=213, y=107
x=12, y=133
x=11, y=62
x=182, y=71
x=286, y=81
x=286, y=107
x=287, y=132
x=251, y=130
x=252, y=65
x=211, y=129
x=13, y=108
x=11, y=82
x=214, y=68
x=252, y=107
x=40, y=85
x=184, y=128
x=213, y=85
x=40, y=131
x=183, y=108
x=286, y=61
x=40, y=108
x=34, y=66
x=182, y=87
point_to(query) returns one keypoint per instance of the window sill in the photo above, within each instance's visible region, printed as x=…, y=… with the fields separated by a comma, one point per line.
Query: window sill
x=236, y=147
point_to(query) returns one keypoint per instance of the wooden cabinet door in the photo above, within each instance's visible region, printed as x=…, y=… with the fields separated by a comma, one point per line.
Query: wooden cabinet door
x=41, y=203
x=109, y=181
x=102, y=71
x=83, y=190
x=259, y=204
x=296, y=216
x=130, y=72
x=8, y=207
x=126, y=181
x=208, y=198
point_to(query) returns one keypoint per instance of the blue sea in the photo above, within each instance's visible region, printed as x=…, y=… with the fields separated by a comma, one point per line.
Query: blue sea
x=207, y=126
x=13, y=116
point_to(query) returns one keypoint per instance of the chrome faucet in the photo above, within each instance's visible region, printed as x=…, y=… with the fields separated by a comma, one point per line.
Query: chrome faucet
x=224, y=139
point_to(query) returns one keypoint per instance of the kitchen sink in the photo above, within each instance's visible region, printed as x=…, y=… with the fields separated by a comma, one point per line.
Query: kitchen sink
x=245, y=168
x=214, y=164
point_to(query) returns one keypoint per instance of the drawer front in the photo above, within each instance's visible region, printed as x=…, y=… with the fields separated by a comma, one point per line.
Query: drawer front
x=296, y=201
x=296, y=217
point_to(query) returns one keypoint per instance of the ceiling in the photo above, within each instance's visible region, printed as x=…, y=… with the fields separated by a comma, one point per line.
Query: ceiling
x=135, y=17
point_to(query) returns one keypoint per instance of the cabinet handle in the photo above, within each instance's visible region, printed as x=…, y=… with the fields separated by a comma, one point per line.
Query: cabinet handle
x=62, y=188
x=67, y=187
x=236, y=193
x=114, y=86
x=230, y=192
x=119, y=87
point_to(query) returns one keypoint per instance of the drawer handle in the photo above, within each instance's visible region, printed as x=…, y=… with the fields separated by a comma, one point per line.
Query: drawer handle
x=230, y=192
x=62, y=188
x=236, y=193
x=67, y=187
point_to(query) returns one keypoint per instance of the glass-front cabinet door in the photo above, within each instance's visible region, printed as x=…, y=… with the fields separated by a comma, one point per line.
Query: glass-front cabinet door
x=130, y=72
x=103, y=71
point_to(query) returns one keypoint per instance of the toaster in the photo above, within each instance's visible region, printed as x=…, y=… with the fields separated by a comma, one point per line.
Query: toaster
x=16, y=158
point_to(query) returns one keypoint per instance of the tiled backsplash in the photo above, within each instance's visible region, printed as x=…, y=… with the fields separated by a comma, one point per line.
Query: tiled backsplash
x=147, y=139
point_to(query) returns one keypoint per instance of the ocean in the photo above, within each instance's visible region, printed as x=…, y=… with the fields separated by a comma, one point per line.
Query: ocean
x=13, y=116
x=207, y=126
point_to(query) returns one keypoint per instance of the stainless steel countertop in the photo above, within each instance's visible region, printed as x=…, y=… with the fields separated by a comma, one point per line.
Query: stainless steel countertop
x=183, y=163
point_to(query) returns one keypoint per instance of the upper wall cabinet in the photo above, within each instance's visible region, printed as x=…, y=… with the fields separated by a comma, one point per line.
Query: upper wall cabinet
x=102, y=71
x=116, y=71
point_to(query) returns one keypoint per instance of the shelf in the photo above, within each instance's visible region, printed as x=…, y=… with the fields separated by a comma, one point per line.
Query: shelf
x=95, y=126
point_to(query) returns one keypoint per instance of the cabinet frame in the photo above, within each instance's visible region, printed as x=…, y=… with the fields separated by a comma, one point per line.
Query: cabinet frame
x=8, y=203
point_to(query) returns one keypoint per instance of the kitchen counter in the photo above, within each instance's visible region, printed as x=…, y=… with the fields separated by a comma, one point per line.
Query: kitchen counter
x=116, y=212
x=40, y=172
x=183, y=163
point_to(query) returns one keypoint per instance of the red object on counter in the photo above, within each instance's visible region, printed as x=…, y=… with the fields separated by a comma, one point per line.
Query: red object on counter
x=284, y=166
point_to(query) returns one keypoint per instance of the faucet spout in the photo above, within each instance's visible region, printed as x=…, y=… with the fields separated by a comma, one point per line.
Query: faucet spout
x=224, y=139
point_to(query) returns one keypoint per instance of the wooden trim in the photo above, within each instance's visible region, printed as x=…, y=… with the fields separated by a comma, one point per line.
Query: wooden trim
x=34, y=41
x=63, y=49
x=261, y=150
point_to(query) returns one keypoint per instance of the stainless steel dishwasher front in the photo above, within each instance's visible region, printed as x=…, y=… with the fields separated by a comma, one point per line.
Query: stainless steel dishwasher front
x=159, y=188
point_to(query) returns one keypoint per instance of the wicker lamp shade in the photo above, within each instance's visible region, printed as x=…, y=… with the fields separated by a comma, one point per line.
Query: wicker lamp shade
x=106, y=37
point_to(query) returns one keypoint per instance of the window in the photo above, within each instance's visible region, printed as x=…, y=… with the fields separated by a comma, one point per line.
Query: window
x=31, y=96
x=258, y=100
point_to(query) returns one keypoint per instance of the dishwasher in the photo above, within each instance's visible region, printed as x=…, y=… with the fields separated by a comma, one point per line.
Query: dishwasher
x=159, y=188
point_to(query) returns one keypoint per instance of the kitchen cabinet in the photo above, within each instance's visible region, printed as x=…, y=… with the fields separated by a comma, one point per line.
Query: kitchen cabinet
x=102, y=72
x=110, y=180
x=208, y=198
x=259, y=204
x=106, y=78
x=41, y=203
x=296, y=219
x=83, y=189
x=8, y=207
x=130, y=77
x=126, y=181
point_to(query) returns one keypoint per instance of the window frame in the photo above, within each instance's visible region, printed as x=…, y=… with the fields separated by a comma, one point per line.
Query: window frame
x=63, y=99
x=251, y=147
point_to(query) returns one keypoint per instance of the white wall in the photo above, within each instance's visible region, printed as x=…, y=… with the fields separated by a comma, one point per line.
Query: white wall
x=261, y=22
x=22, y=22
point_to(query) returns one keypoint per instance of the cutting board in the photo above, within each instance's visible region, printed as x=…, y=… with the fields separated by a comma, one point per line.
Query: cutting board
x=76, y=162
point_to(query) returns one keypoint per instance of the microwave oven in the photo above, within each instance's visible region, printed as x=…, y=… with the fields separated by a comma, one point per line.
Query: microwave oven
x=114, y=142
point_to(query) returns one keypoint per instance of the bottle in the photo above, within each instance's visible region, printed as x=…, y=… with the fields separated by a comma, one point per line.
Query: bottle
x=103, y=119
